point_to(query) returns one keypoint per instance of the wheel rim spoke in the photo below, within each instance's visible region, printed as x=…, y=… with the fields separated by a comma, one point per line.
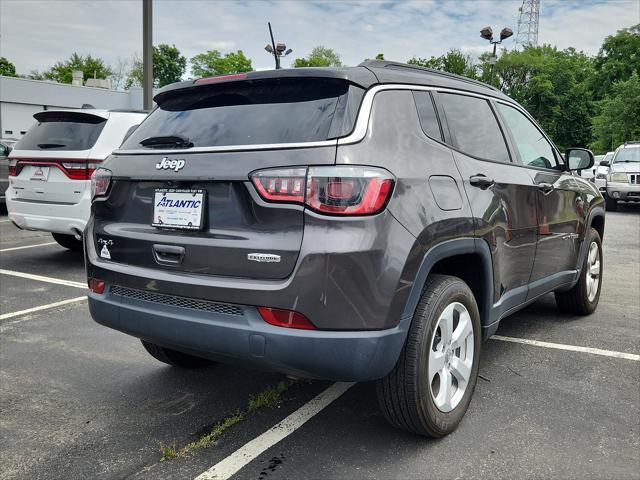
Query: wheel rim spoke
x=593, y=274
x=446, y=323
x=463, y=330
x=436, y=364
x=461, y=370
x=443, y=400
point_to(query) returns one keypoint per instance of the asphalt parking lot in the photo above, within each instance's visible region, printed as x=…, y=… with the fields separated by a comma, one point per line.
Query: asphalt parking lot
x=81, y=401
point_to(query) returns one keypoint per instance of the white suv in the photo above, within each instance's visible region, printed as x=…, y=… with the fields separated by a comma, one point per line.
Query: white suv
x=50, y=169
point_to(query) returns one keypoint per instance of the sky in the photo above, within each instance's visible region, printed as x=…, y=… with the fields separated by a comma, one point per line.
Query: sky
x=36, y=34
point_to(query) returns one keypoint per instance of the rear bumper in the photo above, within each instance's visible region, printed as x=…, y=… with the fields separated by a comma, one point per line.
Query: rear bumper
x=623, y=191
x=49, y=217
x=243, y=337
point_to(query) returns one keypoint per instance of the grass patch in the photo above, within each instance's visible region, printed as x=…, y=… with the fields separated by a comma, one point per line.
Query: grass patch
x=269, y=397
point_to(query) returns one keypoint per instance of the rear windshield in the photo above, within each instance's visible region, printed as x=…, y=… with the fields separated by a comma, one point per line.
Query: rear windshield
x=256, y=112
x=62, y=131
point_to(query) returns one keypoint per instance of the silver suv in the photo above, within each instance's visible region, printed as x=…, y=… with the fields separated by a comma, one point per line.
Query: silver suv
x=623, y=179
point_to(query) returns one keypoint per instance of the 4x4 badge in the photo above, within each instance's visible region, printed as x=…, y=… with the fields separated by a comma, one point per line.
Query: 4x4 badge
x=173, y=164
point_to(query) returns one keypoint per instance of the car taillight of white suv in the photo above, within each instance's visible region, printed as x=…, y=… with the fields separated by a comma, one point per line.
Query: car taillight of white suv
x=50, y=169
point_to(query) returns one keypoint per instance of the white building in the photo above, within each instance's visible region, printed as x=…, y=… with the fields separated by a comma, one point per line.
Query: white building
x=20, y=98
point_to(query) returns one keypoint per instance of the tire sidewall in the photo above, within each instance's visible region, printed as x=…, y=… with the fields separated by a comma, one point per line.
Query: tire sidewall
x=447, y=421
x=593, y=237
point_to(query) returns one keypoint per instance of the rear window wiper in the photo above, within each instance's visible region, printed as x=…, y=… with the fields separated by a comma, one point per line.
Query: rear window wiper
x=50, y=145
x=167, y=141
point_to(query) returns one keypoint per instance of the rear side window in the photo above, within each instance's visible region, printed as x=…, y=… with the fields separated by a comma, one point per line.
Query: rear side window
x=254, y=112
x=474, y=127
x=427, y=115
x=62, y=131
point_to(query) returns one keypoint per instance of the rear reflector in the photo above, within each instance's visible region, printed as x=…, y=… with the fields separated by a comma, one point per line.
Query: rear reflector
x=285, y=318
x=96, y=286
x=336, y=190
x=13, y=167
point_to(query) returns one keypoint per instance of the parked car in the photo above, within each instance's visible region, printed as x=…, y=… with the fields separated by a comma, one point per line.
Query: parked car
x=601, y=171
x=623, y=178
x=366, y=223
x=590, y=173
x=6, y=145
x=51, y=166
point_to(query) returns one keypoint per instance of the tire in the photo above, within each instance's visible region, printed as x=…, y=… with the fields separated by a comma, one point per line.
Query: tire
x=583, y=298
x=173, y=357
x=610, y=204
x=68, y=241
x=407, y=397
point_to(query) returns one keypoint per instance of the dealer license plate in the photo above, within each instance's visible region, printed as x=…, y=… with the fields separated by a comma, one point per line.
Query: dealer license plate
x=175, y=208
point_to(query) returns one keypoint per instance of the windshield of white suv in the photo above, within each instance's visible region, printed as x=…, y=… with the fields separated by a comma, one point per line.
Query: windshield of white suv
x=630, y=154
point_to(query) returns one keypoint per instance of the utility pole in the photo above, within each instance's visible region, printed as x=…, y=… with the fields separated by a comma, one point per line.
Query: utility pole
x=273, y=45
x=147, y=54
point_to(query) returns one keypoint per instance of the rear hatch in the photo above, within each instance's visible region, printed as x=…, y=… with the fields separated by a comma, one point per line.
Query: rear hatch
x=51, y=160
x=201, y=144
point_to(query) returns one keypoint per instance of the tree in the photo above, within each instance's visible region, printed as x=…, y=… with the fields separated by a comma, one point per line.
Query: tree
x=212, y=63
x=380, y=56
x=168, y=67
x=618, y=58
x=7, y=68
x=454, y=61
x=319, y=57
x=619, y=118
x=91, y=67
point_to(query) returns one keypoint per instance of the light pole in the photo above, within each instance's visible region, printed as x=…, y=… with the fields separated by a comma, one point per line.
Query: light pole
x=276, y=49
x=487, y=34
x=147, y=55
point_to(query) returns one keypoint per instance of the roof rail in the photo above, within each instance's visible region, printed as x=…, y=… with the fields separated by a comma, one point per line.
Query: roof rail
x=418, y=69
x=632, y=142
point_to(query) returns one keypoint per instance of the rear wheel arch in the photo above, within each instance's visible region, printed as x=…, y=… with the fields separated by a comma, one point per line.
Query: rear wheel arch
x=466, y=258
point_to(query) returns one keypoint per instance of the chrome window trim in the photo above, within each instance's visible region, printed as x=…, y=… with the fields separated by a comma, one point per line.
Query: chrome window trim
x=357, y=135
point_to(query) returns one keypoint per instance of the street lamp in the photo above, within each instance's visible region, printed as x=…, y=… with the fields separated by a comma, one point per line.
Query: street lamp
x=487, y=34
x=276, y=49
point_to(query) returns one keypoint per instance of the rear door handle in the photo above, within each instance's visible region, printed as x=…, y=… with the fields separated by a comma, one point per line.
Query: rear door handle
x=168, y=254
x=481, y=181
x=545, y=187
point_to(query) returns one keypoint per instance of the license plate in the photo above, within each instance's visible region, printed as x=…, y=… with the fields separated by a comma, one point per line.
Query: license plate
x=181, y=209
x=40, y=174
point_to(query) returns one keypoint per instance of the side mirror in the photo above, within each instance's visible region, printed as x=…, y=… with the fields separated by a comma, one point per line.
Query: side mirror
x=605, y=163
x=579, y=158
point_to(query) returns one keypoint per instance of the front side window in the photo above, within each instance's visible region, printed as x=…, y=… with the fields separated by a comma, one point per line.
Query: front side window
x=474, y=127
x=533, y=147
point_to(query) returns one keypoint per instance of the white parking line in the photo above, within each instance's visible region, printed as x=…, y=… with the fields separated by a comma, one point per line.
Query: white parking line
x=27, y=246
x=40, y=278
x=251, y=450
x=571, y=348
x=4, y=316
x=5, y=221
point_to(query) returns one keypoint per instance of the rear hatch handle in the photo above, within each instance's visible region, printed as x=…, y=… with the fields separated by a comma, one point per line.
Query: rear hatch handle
x=168, y=254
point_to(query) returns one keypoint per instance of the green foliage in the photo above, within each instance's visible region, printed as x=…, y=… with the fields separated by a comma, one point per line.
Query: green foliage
x=168, y=67
x=618, y=58
x=619, y=118
x=454, y=61
x=7, y=68
x=319, y=57
x=380, y=56
x=269, y=397
x=91, y=67
x=212, y=63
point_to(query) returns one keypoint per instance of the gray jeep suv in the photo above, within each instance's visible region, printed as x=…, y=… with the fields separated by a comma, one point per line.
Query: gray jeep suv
x=365, y=223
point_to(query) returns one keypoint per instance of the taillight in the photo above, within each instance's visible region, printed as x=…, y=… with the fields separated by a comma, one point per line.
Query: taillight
x=80, y=170
x=13, y=167
x=285, y=318
x=281, y=185
x=336, y=190
x=100, y=181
